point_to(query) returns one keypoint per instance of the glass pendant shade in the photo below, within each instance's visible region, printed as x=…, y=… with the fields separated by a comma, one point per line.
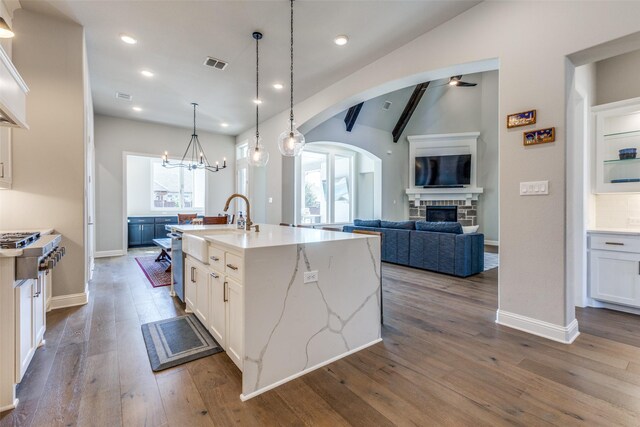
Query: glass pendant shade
x=291, y=142
x=258, y=156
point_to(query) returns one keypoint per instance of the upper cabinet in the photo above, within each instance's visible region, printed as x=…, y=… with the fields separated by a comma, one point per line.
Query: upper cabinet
x=617, y=135
x=13, y=94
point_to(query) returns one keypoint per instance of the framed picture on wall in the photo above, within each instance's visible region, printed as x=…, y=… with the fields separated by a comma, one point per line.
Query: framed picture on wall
x=521, y=119
x=540, y=136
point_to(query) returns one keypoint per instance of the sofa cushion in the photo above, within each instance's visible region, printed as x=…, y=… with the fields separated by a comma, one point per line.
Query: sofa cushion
x=399, y=225
x=367, y=223
x=439, y=227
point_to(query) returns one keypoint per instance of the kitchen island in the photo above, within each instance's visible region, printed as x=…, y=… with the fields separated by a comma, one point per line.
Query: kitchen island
x=283, y=301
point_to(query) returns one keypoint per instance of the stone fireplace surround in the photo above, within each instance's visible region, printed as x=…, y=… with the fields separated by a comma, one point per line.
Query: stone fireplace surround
x=467, y=210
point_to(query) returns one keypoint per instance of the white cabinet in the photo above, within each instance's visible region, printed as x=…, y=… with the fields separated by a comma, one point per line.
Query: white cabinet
x=615, y=277
x=13, y=100
x=617, y=127
x=197, y=289
x=5, y=158
x=218, y=307
x=235, y=322
x=30, y=309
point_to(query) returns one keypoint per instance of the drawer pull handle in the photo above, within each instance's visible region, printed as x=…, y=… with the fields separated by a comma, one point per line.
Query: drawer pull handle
x=224, y=292
x=214, y=258
x=214, y=275
x=193, y=270
x=233, y=267
x=614, y=243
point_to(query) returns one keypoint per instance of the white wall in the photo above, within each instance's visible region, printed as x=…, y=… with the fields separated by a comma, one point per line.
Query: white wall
x=532, y=229
x=48, y=159
x=616, y=78
x=115, y=136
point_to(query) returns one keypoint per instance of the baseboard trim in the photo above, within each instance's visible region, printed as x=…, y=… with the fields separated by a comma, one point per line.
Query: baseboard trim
x=564, y=334
x=245, y=397
x=107, y=254
x=9, y=407
x=72, y=300
x=492, y=243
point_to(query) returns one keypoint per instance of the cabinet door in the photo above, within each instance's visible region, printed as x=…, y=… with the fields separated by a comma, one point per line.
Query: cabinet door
x=24, y=324
x=615, y=277
x=148, y=232
x=135, y=234
x=5, y=157
x=235, y=322
x=217, y=308
x=39, y=308
x=160, y=231
x=190, y=284
x=202, y=293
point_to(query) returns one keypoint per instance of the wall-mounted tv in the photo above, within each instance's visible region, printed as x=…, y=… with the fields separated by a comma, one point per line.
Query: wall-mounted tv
x=443, y=171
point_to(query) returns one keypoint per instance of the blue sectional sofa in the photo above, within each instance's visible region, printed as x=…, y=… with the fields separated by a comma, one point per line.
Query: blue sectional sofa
x=436, y=246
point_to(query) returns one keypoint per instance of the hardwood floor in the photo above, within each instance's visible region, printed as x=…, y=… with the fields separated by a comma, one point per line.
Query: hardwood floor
x=443, y=361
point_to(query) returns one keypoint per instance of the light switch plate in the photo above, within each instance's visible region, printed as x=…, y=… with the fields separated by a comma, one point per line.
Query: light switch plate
x=534, y=188
x=310, y=276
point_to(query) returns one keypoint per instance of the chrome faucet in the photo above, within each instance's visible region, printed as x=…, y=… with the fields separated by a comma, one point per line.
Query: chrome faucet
x=248, y=219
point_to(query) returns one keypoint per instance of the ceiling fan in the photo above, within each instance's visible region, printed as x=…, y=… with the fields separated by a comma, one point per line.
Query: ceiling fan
x=456, y=81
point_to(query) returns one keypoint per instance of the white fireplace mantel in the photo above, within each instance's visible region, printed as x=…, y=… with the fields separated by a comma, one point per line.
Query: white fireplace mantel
x=443, y=144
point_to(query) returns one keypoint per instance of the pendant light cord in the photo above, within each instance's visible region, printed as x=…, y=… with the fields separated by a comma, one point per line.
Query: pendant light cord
x=257, y=87
x=291, y=111
x=194, y=117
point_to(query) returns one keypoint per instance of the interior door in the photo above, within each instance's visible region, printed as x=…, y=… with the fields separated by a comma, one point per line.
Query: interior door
x=90, y=206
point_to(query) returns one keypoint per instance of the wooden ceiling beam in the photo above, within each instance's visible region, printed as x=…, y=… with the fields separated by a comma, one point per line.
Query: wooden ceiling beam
x=413, y=102
x=352, y=116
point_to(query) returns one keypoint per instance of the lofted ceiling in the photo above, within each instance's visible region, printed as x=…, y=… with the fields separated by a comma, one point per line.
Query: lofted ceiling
x=174, y=37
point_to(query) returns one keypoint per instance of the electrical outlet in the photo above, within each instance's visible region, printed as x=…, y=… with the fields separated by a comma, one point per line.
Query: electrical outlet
x=310, y=276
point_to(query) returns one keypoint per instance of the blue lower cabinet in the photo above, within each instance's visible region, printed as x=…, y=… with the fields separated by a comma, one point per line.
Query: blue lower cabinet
x=142, y=230
x=135, y=235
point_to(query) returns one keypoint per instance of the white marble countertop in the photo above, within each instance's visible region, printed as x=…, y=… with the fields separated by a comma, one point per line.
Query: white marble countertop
x=276, y=235
x=8, y=253
x=622, y=231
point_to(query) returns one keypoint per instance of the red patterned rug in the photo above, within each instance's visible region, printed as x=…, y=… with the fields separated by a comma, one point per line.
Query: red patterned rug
x=155, y=271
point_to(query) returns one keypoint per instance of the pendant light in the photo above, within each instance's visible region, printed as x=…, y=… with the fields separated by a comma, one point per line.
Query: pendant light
x=193, y=157
x=258, y=156
x=291, y=141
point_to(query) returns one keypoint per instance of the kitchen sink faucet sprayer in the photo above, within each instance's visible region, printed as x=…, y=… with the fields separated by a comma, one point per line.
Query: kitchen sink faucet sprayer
x=249, y=224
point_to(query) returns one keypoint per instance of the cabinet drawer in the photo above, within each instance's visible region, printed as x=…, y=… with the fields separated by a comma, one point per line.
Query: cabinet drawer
x=234, y=265
x=140, y=220
x=216, y=258
x=166, y=220
x=615, y=243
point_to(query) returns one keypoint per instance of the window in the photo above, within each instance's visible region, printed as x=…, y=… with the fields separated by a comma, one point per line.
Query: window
x=326, y=186
x=177, y=188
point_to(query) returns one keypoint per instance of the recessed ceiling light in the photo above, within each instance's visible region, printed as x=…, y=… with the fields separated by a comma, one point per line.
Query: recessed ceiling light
x=278, y=86
x=341, y=40
x=137, y=109
x=257, y=101
x=146, y=73
x=128, y=39
x=224, y=125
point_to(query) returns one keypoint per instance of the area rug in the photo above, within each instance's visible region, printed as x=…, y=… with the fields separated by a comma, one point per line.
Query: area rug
x=491, y=261
x=175, y=341
x=156, y=272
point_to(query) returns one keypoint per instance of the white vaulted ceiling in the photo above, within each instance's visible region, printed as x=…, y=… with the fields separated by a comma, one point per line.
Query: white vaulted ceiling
x=174, y=37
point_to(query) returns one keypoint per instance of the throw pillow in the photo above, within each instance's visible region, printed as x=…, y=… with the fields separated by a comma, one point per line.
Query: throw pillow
x=400, y=225
x=375, y=223
x=470, y=229
x=439, y=227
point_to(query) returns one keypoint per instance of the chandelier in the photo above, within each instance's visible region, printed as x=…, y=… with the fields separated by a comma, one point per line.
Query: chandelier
x=193, y=157
x=258, y=155
x=291, y=141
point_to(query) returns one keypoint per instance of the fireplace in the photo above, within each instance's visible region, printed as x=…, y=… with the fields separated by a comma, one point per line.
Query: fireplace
x=442, y=213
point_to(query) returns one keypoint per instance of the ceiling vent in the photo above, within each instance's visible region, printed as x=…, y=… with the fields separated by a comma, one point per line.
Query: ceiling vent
x=218, y=64
x=386, y=105
x=124, y=96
